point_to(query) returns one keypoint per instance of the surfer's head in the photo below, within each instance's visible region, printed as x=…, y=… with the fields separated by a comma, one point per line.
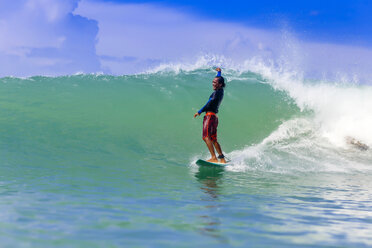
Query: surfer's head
x=218, y=82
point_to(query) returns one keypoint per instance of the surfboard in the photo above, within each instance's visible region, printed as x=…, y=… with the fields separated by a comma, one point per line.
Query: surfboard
x=202, y=162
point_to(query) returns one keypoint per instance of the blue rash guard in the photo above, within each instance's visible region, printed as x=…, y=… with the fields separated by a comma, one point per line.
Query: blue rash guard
x=214, y=101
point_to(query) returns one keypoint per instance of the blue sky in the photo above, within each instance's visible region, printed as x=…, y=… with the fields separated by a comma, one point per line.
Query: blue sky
x=52, y=37
x=338, y=21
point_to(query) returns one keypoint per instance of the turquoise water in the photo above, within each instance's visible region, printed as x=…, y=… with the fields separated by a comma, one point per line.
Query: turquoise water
x=104, y=161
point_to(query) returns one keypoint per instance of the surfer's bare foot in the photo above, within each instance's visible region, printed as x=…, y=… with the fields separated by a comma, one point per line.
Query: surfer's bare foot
x=223, y=161
x=213, y=160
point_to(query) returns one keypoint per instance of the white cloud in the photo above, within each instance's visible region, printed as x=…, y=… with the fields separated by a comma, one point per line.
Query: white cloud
x=33, y=24
x=52, y=10
x=42, y=37
x=147, y=31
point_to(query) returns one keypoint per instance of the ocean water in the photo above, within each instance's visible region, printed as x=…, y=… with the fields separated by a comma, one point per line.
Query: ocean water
x=109, y=161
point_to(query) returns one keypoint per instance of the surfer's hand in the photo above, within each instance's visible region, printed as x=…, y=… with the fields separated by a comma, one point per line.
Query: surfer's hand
x=218, y=69
x=196, y=114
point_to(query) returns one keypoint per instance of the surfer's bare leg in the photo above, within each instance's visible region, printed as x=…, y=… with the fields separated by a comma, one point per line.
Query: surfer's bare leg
x=209, y=143
x=219, y=150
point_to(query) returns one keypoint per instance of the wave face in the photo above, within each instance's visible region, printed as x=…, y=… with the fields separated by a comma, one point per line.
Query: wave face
x=266, y=117
x=131, y=115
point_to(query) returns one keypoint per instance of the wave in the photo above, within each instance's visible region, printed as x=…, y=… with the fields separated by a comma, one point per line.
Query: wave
x=271, y=118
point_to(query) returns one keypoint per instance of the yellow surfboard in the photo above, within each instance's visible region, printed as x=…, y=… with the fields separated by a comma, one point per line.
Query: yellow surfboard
x=202, y=162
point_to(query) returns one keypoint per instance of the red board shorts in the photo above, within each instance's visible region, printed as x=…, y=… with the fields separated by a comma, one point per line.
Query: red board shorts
x=210, y=123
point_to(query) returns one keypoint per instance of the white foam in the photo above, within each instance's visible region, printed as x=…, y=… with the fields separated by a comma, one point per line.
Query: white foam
x=296, y=146
x=340, y=109
x=205, y=61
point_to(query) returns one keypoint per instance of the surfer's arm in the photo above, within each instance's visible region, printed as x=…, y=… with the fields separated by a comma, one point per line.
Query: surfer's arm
x=204, y=107
x=211, y=100
x=218, y=72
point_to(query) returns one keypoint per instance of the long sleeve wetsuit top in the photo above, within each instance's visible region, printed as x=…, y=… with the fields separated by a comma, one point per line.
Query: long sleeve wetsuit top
x=214, y=100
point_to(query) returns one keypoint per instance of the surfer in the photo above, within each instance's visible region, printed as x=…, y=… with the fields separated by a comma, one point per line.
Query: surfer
x=361, y=146
x=210, y=121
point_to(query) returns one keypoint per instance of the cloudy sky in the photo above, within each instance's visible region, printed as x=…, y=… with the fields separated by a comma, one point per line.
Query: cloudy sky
x=55, y=37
